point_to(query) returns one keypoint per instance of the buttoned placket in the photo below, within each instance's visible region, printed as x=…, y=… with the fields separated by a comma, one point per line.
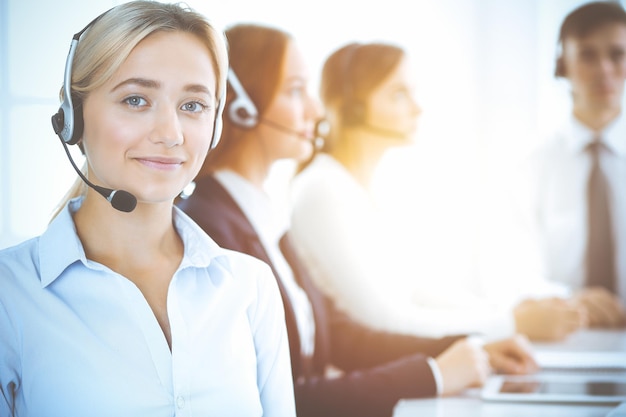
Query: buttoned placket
x=181, y=354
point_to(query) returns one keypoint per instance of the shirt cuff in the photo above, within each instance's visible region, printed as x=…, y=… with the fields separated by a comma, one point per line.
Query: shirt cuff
x=436, y=374
x=476, y=340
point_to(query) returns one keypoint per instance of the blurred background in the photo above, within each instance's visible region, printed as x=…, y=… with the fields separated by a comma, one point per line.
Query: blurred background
x=484, y=77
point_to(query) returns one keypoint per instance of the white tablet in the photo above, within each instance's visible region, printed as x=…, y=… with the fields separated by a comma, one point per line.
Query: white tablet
x=590, y=388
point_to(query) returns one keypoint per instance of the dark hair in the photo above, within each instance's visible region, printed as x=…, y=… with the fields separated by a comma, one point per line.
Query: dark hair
x=590, y=16
x=584, y=20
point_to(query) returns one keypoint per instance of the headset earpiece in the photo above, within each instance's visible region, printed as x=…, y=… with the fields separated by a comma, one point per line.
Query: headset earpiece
x=218, y=122
x=559, y=68
x=559, y=65
x=241, y=111
x=68, y=122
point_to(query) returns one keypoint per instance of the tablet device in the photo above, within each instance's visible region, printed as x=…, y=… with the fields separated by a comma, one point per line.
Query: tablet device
x=588, y=388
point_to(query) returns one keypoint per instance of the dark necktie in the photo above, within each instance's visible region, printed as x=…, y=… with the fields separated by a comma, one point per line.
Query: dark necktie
x=600, y=258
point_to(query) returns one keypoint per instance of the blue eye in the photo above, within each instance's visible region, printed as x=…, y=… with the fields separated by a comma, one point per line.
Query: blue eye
x=194, y=106
x=135, y=101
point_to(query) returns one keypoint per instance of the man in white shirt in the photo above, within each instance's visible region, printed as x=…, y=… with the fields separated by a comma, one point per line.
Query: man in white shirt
x=592, y=145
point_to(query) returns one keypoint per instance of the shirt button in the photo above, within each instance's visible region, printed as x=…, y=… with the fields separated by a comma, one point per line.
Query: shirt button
x=180, y=402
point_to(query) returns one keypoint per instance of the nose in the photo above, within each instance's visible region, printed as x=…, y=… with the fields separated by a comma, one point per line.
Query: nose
x=167, y=128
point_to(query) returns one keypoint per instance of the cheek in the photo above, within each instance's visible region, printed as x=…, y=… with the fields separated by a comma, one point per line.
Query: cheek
x=107, y=131
x=198, y=140
x=386, y=115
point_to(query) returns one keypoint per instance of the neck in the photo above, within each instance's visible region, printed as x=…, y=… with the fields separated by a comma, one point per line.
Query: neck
x=248, y=159
x=118, y=239
x=360, y=153
x=596, y=118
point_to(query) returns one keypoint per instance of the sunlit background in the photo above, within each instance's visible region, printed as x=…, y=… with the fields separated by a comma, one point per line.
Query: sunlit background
x=483, y=70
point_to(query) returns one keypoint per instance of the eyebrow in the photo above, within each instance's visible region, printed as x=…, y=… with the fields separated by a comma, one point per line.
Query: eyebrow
x=143, y=82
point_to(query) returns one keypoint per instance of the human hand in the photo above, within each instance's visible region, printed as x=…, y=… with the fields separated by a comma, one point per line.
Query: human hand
x=549, y=319
x=513, y=355
x=464, y=364
x=603, y=308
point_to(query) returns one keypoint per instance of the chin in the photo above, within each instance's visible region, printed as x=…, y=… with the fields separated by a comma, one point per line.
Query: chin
x=304, y=153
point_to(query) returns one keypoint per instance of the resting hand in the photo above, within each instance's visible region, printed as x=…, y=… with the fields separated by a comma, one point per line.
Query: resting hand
x=512, y=356
x=603, y=308
x=464, y=364
x=549, y=319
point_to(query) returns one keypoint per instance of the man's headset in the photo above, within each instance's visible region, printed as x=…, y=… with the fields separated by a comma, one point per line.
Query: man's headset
x=559, y=67
x=68, y=124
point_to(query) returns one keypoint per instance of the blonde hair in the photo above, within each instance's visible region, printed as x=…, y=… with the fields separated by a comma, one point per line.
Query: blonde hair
x=109, y=40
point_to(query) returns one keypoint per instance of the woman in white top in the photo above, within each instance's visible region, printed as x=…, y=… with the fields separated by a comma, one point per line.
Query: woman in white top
x=347, y=241
x=124, y=306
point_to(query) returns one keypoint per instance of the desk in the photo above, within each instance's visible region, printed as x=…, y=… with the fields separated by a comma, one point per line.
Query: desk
x=469, y=403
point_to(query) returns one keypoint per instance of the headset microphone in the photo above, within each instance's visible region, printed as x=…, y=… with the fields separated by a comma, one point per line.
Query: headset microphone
x=390, y=133
x=119, y=199
x=282, y=128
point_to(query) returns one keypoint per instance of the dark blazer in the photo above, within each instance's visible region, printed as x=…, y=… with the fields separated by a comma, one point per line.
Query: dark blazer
x=379, y=368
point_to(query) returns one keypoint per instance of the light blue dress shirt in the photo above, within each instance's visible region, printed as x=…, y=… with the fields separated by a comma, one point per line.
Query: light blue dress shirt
x=77, y=339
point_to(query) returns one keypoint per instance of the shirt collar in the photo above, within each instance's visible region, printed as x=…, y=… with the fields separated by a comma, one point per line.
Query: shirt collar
x=60, y=245
x=200, y=249
x=613, y=136
x=256, y=205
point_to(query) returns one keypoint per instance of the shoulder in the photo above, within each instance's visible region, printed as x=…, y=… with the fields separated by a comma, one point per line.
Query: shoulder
x=253, y=277
x=20, y=278
x=21, y=260
x=322, y=179
x=245, y=265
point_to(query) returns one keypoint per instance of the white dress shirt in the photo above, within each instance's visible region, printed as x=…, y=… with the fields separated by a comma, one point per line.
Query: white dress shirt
x=270, y=225
x=343, y=239
x=556, y=208
x=78, y=339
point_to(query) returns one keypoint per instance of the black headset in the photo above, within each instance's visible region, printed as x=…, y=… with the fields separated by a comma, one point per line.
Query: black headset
x=68, y=122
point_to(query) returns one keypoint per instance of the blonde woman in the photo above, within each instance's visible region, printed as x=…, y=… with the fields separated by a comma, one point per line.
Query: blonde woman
x=124, y=306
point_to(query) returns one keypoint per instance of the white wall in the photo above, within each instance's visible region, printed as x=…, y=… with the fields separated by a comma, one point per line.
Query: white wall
x=484, y=71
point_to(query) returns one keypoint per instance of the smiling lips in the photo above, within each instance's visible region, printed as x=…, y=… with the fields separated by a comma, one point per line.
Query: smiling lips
x=161, y=163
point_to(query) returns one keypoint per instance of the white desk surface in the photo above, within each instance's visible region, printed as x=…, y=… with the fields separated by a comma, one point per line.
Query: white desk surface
x=469, y=404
